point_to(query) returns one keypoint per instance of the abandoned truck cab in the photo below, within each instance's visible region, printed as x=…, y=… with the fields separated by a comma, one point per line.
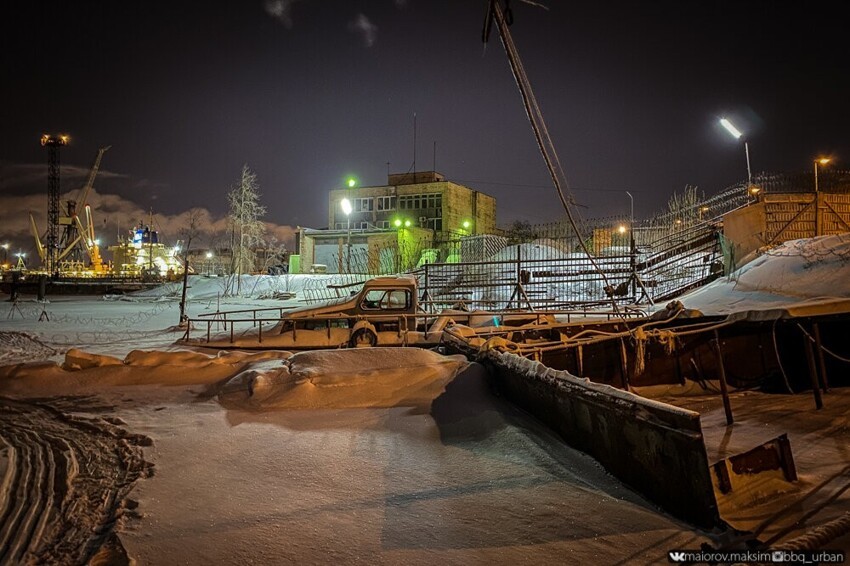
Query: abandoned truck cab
x=382, y=313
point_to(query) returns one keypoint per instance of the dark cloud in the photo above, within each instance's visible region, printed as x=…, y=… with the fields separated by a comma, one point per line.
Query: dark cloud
x=281, y=10
x=364, y=27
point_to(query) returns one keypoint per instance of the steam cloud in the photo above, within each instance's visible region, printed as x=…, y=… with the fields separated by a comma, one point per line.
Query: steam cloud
x=112, y=214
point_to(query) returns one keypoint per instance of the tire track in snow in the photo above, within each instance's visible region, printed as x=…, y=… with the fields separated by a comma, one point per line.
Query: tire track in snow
x=63, y=483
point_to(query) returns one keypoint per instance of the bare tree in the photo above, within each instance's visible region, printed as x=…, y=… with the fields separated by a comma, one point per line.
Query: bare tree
x=247, y=230
x=274, y=254
x=188, y=233
x=684, y=207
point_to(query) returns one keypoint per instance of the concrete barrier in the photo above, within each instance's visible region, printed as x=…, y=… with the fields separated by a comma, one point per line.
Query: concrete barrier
x=657, y=449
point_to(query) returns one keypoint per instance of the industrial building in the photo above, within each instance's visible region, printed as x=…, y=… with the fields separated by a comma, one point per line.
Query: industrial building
x=414, y=218
x=424, y=200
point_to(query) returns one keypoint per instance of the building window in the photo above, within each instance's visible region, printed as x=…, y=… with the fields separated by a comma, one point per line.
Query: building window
x=418, y=202
x=364, y=204
x=341, y=225
x=364, y=225
x=386, y=203
x=383, y=224
x=435, y=224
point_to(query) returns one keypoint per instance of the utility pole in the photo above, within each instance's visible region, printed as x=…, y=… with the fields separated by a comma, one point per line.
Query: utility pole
x=150, y=243
x=632, y=250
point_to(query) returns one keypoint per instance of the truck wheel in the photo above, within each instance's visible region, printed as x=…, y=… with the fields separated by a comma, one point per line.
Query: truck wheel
x=363, y=338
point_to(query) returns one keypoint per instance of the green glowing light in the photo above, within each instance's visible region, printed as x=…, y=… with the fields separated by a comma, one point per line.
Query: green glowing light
x=397, y=223
x=467, y=224
x=407, y=223
x=351, y=182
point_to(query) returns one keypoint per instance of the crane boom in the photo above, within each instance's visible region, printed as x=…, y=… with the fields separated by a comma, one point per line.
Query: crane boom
x=84, y=192
x=38, y=245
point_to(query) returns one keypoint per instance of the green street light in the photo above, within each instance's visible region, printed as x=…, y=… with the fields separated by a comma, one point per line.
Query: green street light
x=407, y=223
x=351, y=182
x=466, y=224
x=397, y=222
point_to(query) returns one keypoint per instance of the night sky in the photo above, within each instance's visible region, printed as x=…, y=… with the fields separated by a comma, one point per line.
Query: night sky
x=308, y=92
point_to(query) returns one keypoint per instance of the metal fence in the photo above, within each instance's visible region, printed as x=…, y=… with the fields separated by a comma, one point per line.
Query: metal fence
x=551, y=273
x=545, y=265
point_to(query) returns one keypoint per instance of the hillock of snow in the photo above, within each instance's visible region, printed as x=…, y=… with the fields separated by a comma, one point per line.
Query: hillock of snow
x=810, y=269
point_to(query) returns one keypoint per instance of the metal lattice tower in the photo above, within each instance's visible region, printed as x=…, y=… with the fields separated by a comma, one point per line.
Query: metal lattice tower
x=52, y=143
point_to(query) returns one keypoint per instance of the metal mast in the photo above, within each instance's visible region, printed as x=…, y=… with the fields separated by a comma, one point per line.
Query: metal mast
x=52, y=143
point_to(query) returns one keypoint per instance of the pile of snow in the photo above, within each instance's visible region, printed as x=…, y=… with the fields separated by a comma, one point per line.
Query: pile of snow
x=342, y=379
x=357, y=378
x=538, y=250
x=811, y=269
x=86, y=372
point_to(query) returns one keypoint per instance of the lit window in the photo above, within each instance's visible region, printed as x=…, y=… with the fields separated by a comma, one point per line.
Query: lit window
x=386, y=203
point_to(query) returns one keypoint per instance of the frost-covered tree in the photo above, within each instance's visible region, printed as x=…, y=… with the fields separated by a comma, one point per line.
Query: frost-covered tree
x=683, y=207
x=246, y=228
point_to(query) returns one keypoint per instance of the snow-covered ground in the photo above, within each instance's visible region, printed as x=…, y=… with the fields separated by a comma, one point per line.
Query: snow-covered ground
x=358, y=456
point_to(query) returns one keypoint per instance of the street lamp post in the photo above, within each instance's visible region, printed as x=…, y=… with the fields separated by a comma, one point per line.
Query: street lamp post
x=632, y=262
x=821, y=161
x=736, y=133
x=346, y=209
x=209, y=263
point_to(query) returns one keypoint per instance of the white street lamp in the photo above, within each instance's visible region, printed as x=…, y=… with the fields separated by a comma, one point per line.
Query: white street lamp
x=820, y=161
x=346, y=209
x=736, y=133
x=632, y=249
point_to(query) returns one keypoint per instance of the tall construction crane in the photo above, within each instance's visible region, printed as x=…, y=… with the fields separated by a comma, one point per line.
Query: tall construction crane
x=79, y=240
x=76, y=239
x=52, y=143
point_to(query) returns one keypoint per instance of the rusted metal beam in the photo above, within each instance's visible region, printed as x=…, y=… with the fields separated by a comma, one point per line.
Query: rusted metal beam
x=772, y=455
x=819, y=345
x=624, y=368
x=810, y=358
x=724, y=390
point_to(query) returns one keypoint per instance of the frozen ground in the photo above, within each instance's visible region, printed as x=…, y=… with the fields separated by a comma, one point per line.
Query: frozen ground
x=375, y=456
